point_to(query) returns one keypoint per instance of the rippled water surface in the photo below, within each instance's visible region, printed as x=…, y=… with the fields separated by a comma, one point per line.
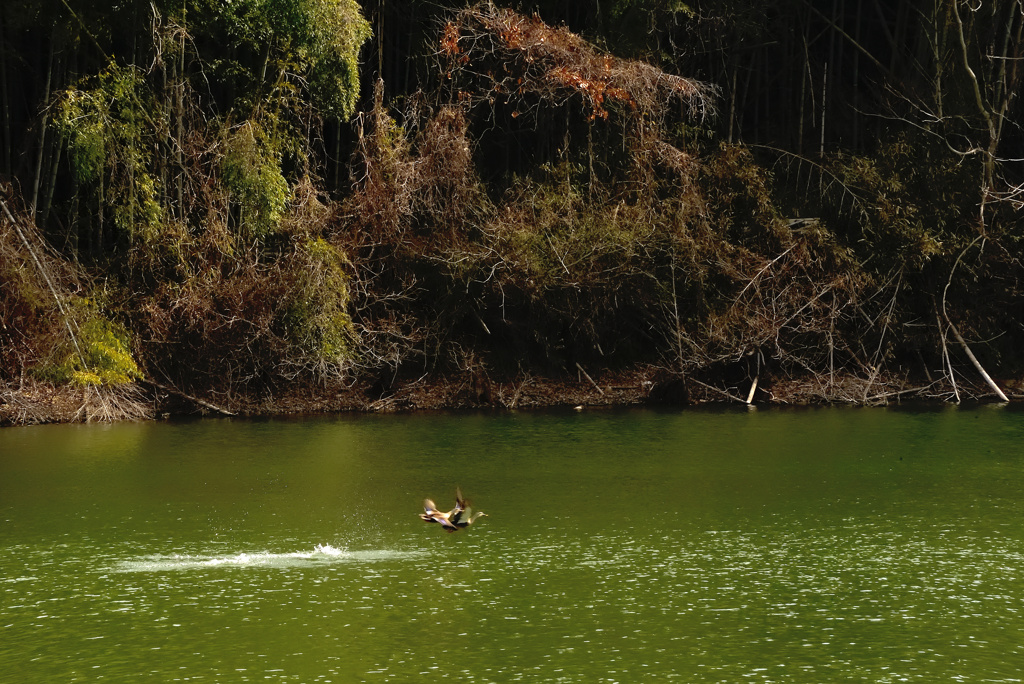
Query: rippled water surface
x=773, y=546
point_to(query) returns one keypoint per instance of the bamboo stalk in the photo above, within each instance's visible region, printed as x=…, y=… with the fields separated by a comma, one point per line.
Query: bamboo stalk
x=803, y=100
x=832, y=22
x=732, y=103
x=675, y=312
x=179, y=91
x=947, y=362
x=101, y=201
x=55, y=167
x=824, y=99
x=5, y=105
x=42, y=133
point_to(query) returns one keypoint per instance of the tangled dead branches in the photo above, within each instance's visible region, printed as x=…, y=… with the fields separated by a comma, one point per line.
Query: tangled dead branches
x=514, y=55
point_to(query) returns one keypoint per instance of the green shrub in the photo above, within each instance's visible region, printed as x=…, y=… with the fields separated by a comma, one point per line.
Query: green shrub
x=252, y=173
x=317, y=320
x=102, y=357
x=110, y=135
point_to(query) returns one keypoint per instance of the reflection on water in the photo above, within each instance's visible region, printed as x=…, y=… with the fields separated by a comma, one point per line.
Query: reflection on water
x=774, y=546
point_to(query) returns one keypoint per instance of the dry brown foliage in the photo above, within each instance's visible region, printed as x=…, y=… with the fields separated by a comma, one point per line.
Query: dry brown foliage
x=516, y=55
x=416, y=207
x=497, y=58
x=415, y=186
x=35, y=283
x=217, y=331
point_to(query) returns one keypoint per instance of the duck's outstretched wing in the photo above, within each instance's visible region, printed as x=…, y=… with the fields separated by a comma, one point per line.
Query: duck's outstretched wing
x=460, y=519
x=447, y=524
x=456, y=514
x=460, y=507
x=430, y=512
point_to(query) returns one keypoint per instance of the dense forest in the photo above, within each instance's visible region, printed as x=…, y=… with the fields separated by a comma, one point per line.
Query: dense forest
x=224, y=204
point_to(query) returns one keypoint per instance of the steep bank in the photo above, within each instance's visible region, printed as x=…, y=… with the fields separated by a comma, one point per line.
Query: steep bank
x=231, y=216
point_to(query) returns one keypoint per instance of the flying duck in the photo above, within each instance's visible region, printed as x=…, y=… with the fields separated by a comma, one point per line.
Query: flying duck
x=454, y=520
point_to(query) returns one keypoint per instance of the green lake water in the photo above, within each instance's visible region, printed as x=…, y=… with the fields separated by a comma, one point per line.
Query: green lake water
x=816, y=545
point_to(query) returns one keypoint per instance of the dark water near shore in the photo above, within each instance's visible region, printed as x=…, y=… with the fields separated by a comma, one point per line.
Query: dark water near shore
x=777, y=546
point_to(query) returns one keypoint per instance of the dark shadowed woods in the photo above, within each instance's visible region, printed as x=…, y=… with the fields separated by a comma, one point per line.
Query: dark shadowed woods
x=289, y=205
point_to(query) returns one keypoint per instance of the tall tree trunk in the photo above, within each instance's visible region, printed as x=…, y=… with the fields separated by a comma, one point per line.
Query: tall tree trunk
x=732, y=99
x=52, y=182
x=97, y=242
x=74, y=236
x=855, y=128
x=179, y=114
x=56, y=145
x=824, y=106
x=42, y=131
x=5, y=102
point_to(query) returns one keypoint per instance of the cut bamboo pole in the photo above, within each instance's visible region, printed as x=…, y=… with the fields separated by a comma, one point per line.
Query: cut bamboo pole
x=189, y=397
x=946, y=361
x=715, y=389
x=590, y=379
x=977, y=364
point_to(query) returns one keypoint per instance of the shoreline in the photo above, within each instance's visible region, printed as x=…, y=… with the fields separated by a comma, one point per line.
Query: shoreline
x=36, y=402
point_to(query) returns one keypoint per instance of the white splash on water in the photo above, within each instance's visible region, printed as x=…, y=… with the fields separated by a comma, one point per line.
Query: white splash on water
x=322, y=554
x=329, y=550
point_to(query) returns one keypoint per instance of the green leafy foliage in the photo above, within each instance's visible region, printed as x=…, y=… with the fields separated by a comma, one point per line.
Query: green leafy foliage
x=82, y=117
x=317, y=319
x=110, y=134
x=335, y=30
x=741, y=197
x=912, y=202
x=319, y=40
x=561, y=236
x=252, y=173
x=101, y=357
